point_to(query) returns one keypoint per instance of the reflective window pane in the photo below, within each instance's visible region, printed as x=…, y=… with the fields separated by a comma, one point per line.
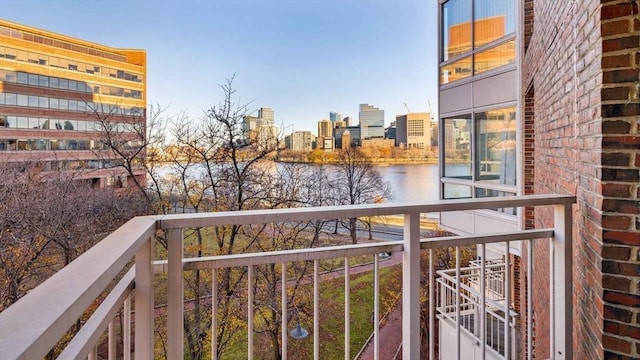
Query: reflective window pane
x=495, y=57
x=456, y=28
x=493, y=19
x=483, y=193
x=455, y=71
x=496, y=146
x=457, y=147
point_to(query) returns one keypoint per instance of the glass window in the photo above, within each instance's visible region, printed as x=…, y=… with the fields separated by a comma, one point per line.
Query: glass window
x=73, y=105
x=494, y=57
x=483, y=193
x=496, y=146
x=22, y=122
x=64, y=84
x=73, y=85
x=10, y=99
x=43, y=101
x=493, y=19
x=43, y=81
x=1, y=98
x=63, y=104
x=23, y=78
x=54, y=103
x=456, y=28
x=33, y=79
x=11, y=76
x=455, y=191
x=457, y=147
x=69, y=124
x=455, y=71
x=23, y=100
x=53, y=82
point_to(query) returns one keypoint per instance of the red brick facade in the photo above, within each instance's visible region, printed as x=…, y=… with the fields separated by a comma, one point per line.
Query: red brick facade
x=583, y=60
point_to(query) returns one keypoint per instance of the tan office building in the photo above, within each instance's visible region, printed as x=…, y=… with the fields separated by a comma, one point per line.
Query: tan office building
x=53, y=91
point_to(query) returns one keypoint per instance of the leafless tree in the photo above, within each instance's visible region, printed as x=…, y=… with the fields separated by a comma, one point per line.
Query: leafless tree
x=358, y=182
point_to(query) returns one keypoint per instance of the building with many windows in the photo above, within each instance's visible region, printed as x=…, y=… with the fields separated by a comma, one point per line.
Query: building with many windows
x=56, y=95
x=299, y=141
x=413, y=131
x=540, y=97
x=371, y=122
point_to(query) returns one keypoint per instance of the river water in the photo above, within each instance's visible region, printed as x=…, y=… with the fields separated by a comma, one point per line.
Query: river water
x=409, y=182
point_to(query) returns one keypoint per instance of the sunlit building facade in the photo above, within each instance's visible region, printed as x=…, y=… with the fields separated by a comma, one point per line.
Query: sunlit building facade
x=56, y=92
x=371, y=122
x=413, y=131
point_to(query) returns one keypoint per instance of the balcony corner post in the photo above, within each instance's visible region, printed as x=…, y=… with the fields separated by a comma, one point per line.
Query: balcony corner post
x=411, y=287
x=143, y=338
x=175, y=294
x=562, y=283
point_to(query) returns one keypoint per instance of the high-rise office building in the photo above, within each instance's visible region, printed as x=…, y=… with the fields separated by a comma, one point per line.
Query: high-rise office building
x=334, y=116
x=325, y=128
x=53, y=91
x=266, y=116
x=371, y=122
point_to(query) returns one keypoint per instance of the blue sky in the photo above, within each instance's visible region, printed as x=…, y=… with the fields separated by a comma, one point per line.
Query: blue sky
x=303, y=58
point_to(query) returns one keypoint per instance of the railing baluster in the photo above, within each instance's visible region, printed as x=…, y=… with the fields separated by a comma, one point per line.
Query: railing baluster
x=214, y=314
x=483, y=303
x=347, y=309
x=144, y=302
x=112, y=340
x=126, y=333
x=530, y=258
x=93, y=354
x=285, y=317
x=411, y=287
x=250, y=312
x=175, y=295
x=507, y=302
x=316, y=309
x=376, y=307
x=562, y=284
x=432, y=307
x=458, y=349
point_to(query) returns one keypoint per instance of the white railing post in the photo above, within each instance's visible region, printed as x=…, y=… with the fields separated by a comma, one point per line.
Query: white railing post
x=376, y=307
x=144, y=302
x=250, y=312
x=175, y=295
x=347, y=310
x=562, y=284
x=411, y=287
x=111, y=355
x=126, y=331
x=432, y=306
x=214, y=314
x=283, y=295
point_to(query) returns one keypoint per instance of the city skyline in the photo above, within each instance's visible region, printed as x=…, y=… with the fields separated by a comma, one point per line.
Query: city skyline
x=301, y=59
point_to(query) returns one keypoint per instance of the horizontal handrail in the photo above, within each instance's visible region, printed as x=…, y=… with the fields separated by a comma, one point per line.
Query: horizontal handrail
x=29, y=329
x=194, y=220
x=90, y=333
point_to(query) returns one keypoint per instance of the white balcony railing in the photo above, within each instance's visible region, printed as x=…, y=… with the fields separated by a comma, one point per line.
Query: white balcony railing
x=468, y=311
x=31, y=327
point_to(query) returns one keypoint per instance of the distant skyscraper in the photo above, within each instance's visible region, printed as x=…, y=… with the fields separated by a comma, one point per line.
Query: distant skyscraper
x=371, y=122
x=266, y=115
x=334, y=116
x=325, y=128
x=347, y=121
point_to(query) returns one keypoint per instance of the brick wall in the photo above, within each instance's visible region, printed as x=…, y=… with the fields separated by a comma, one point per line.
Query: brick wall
x=583, y=61
x=620, y=178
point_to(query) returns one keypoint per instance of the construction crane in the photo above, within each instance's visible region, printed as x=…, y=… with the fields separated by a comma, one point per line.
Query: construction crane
x=429, y=103
x=405, y=105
